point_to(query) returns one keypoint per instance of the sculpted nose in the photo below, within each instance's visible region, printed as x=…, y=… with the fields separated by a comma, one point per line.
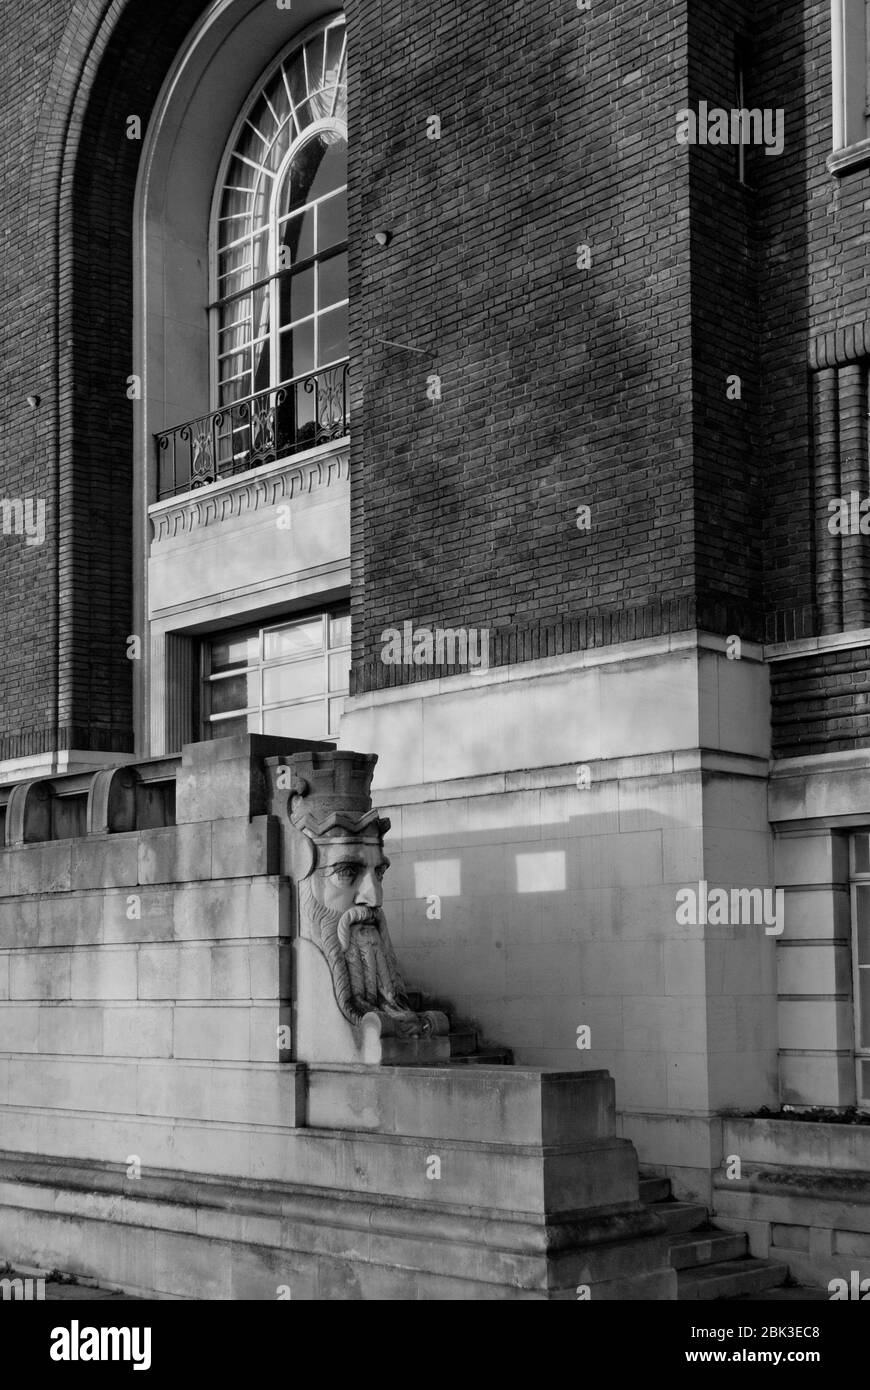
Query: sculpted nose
x=370, y=893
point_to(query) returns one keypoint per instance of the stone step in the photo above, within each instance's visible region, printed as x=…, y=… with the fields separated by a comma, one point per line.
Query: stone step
x=492, y=1057
x=696, y=1248
x=655, y=1189
x=730, y=1279
x=463, y=1041
x=796, y=1294
x=682, y=1216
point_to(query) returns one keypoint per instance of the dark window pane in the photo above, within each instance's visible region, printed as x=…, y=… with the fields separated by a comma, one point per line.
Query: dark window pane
x=333, y=280
x=228, y=728
x=864, y=978
x=297, y=351
x=319, y=167
x=333, y=335
x=239, y=649
x=862, y=904
x=297, y=296
x=261, y=366
x=332, y=221
x=297, y=236
x=862, y=854
x=235, y=692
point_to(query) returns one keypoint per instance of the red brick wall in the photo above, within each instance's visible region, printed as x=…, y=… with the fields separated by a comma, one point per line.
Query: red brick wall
x=820, y=703
x=67, y=84
x=560, y=387
x=729, y=504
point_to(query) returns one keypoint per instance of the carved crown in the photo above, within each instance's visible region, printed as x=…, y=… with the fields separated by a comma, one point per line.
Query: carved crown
x=331, y=794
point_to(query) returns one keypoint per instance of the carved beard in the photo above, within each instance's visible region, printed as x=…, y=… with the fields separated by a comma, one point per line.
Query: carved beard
x=356, y=943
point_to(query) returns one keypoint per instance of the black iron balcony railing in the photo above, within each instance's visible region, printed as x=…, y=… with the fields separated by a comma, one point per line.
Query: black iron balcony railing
x=301, y=414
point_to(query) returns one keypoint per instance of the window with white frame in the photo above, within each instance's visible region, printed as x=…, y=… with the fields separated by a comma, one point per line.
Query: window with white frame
x=287, y=678
x=860, y=875
x=850, y=71
x=280, y=298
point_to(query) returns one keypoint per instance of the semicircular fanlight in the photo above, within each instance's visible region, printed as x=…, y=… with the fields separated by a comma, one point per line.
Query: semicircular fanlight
x=281, y=224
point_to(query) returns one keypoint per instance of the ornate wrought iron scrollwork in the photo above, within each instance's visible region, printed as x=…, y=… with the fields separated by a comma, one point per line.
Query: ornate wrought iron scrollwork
x=249, y=433
x=330, y=402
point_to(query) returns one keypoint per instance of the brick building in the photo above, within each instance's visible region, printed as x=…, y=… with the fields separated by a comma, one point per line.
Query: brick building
x=330, y=330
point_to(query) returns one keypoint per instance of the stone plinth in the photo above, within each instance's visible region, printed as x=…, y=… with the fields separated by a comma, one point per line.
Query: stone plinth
x=459, y=1183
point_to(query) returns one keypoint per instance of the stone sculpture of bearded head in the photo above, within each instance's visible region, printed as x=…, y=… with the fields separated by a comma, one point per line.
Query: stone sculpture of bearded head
x=339, y=864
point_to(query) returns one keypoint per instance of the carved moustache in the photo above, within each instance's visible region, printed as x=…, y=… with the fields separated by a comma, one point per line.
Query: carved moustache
x=354, y=917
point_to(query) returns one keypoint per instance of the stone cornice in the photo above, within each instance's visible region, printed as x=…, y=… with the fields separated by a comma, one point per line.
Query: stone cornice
x=250, y=492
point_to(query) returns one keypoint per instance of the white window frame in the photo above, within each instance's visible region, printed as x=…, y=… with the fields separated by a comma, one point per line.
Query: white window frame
x=850, y=66
x=263, y=664
x=859, y=882
x=331, y=122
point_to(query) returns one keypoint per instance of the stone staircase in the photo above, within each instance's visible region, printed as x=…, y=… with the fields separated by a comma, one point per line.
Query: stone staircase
x=710, y=1264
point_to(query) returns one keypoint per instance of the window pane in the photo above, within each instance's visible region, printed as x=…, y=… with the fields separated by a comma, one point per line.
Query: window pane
x=862, y=900
x=236, y=311
x=260, y=256
x=864, y=986
x=333, y=336
x=236, y=692
x=862, y=854
x=234, y=390
x=297, y=235
x=297, y=721
x=292, y=682
x=339, y=630
x=294, y=640
x=339, y=671
x=336, y=709
x=334, y=40
x=237, y=364
x=319, y=167
x=332, y=221
x=297, y=296
x=261, y=312
x=277, y=94
x=239, y=649
x=228, y=728
x=235, y=259
x=333, y=280
x=262, y=354
x=297, y=351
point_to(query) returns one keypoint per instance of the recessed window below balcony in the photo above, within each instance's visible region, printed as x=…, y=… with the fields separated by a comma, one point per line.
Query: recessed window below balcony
x=288, y=678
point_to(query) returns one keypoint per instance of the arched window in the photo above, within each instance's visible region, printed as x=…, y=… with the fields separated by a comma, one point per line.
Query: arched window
x=279, y=265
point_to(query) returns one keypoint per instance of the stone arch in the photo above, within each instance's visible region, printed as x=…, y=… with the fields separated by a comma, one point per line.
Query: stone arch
x=116, y=59
x=112, y=60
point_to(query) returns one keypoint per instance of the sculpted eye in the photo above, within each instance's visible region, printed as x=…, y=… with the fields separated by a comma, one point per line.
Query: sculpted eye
x=345, y=872
x=380, y=871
